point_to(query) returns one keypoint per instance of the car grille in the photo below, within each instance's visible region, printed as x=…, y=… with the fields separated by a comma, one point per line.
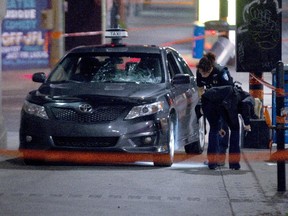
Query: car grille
x=85, y=142
x=99, y=114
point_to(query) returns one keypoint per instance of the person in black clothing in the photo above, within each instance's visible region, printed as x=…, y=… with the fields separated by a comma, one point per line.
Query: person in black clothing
x=227, y=102
x=209, y=74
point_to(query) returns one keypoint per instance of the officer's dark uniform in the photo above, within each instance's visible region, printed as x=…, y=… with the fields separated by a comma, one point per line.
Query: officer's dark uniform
x=220, y=76
x=226, y=102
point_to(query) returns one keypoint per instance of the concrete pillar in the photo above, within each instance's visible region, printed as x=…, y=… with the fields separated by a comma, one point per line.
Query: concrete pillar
x=118, y=14
x=103, y=20
x=57, y=39
x=3, y=131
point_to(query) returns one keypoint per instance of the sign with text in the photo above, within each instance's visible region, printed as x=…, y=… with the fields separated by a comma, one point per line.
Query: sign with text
x=258, y=35
x=24, y=43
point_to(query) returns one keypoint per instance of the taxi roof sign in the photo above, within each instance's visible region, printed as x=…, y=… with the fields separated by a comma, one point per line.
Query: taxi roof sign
x=116, y=33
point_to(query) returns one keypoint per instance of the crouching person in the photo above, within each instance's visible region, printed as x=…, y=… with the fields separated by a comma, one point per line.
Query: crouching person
x=226, y=102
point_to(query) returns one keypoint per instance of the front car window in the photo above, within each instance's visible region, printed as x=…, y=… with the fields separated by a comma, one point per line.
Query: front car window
x=178, y=60
x=184, y=66
x=114, y=67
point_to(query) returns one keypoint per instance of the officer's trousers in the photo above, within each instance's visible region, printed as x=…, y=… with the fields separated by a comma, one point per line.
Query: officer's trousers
x=214, y=112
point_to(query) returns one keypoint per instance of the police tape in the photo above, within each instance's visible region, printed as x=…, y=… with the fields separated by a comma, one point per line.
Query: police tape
x=91, y=33
x=263, y=82
x=96, y=157
x=208, y=34
x=165, y=2
x=80, y=34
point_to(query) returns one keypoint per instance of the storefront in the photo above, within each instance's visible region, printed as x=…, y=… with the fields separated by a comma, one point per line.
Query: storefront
x=24, y=42
x=36, y=33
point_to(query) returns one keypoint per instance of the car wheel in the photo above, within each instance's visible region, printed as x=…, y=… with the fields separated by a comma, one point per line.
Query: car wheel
x=166, y=160
x=198, y=146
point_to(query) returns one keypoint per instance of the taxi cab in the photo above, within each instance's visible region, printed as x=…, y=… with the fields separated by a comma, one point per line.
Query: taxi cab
x=114, y=98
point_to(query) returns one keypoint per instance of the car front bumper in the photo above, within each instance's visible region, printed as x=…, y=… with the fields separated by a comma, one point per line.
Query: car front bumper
x=133, y=136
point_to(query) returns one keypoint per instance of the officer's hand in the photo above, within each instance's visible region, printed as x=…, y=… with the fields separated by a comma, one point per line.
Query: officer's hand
x=222, y=132
x=247, y=127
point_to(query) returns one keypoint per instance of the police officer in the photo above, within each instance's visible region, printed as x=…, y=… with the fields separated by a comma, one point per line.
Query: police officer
x=227, y=102
x=209, y=74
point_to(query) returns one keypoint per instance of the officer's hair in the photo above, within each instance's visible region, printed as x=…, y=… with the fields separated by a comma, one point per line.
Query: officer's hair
x=206, y=62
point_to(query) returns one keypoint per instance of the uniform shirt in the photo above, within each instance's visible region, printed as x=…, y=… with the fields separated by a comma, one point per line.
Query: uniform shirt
x=233, y=99
x=219, y=76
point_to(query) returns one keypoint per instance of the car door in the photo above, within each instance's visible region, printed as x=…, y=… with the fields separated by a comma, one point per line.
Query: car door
x=183, y=98
x=192, y=97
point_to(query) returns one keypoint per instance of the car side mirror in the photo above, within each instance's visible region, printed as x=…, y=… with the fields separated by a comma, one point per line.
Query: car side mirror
x=39, y=77
x=181, y=79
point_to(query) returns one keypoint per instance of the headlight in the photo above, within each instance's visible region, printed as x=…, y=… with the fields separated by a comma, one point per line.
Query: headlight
x=145, y=110
x=34, y=109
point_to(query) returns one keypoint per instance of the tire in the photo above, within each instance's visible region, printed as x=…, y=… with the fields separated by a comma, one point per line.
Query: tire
x=166, y=160
x=198, y=146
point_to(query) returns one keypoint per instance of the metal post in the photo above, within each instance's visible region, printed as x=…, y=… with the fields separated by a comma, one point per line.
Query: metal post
x=280, y=124
x=223, y=13
x=3, y=132
x=57, y=39
x=115, y=16
x=103, y=20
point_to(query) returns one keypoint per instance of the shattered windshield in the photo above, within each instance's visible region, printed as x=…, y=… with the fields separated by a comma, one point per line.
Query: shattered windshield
x=136, y=68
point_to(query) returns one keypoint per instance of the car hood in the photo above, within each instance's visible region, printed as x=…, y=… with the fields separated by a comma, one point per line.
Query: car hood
x=128, y=90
